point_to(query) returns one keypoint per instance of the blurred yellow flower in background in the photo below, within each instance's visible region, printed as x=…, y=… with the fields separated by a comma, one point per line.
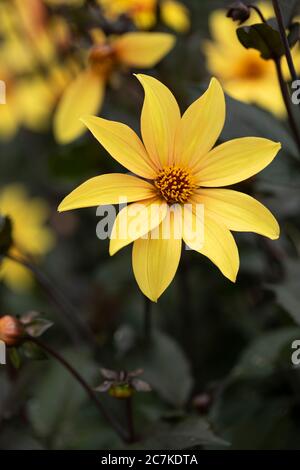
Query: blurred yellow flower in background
x=176, y=165
x=243, y=73
x=30, y=234
x=144, y=12
x=86, y=93
x=30, y=65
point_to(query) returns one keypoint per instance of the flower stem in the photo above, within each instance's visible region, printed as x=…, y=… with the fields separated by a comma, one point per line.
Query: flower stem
x=287, y=101
x=129, y=412
x=258, y=11
x=58, y=299
x=284, y=39
x=114, y=424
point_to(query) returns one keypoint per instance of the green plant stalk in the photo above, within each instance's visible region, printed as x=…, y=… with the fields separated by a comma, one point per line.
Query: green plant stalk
x=89, y=391
x=70, y=314
x=284, y=39
x=287, y=101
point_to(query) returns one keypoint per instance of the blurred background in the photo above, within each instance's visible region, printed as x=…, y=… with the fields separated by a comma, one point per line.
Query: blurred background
x=219, y=359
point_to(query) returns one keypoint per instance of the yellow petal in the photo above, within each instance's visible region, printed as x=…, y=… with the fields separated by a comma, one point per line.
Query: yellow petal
x=8, y=121
x=159, y=121
x=175, y=15
x=155, y=261
x=107, y=189
x=200, y=126
x=223, y=29
x=83, y=96
x=123, y=144
x=235, y=160
x=134, y=221
x=143, y=49
x=219, y=246
x=15, y=276
x=144, y=19
x=238, y=211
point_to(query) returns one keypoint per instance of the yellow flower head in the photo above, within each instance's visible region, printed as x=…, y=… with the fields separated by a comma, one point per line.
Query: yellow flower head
x=176, y=164
x=243, y=73
x=86, y=93
x=30, y=235
x=143, y=12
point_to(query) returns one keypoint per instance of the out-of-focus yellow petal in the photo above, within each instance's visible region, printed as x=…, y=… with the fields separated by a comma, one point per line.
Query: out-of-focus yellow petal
x=175, y=15
x=155, y=260
x=123, y=144
x=144, y=19
x=235, y=160
x=223, y=29
x=218, y=245
x=200, y=126
x=238, y=211
x=159, y=120
x=28, y=215
x=15, y=276
x=36, y=102
x=139, y=49
x=107, y=189
x=135, y=220
x=8, y=121
x=83, y=96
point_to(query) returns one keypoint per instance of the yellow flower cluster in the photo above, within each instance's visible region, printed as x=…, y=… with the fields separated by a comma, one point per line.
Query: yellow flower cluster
x=30, y=68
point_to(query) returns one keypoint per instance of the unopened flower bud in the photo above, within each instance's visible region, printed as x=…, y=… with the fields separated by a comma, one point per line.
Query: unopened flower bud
x=121, y=391
x=122, y=384
x=238, y=11
x=11, y=330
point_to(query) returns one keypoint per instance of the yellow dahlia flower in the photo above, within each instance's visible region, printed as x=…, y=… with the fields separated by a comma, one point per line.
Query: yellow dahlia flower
x=86, y=93
x=243, y=73
x=177, y=165
x=143, y=12
x=30, y=235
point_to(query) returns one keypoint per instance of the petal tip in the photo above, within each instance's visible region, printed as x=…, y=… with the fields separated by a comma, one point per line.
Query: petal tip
x=60, y=207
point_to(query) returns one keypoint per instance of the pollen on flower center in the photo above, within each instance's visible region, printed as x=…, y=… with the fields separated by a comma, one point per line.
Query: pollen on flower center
x=175, y=184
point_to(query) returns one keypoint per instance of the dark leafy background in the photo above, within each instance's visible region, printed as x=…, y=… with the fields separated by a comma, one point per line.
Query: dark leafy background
x=220, y=359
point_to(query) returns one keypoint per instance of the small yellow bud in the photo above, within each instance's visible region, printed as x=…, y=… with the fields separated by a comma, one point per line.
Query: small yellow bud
x=121, y=391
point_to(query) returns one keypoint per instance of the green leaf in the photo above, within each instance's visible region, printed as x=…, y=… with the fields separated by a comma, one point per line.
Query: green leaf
x=14, y=357
x=165, y=367
x=288, y=10
x=250, y=417
x=58, y=398
x=263, y=38
x=287, y=293
x=33, y=352
x=260, y=358
x=186, y=434
x=294, y=34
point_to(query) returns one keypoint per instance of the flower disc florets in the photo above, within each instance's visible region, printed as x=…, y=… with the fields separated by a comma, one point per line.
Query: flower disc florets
x=175, y=184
